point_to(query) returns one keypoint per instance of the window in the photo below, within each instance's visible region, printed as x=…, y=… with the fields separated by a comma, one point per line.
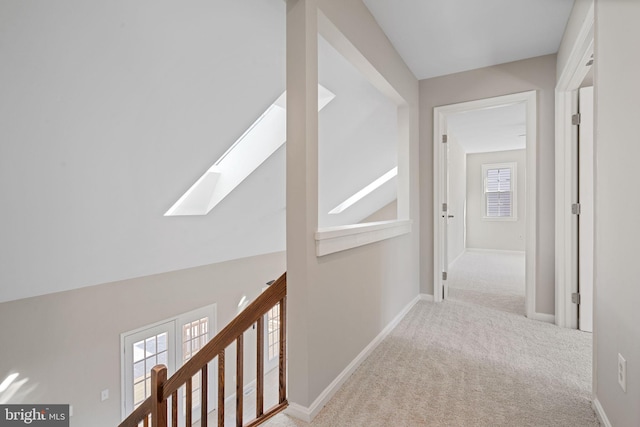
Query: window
x=499, y=188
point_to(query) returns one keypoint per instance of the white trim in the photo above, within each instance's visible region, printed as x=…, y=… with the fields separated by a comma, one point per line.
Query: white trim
x=599, y=410
x=565, y=251
x=335, y=239
x=440, y=128
x=543, y=317
x=426, y=297
x=308, y=414
x=495, y=251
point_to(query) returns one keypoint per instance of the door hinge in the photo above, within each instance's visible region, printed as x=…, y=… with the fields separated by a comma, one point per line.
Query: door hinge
x=444, y=139
x=575, y=208
x=575, y=119
x=575, y=298
x=444, y=207
x=444, y=275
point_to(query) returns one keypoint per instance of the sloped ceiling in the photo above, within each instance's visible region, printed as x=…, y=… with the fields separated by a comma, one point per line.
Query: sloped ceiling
x=439, y=37
x=109, y=111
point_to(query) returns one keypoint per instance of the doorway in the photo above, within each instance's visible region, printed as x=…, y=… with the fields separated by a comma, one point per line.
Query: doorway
x=486, y=207
x=442, y=115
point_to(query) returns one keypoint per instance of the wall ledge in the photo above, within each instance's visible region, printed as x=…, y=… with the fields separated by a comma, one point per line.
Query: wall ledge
x=335, y=239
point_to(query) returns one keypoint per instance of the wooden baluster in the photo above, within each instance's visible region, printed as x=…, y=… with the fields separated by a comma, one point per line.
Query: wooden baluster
x=204, y=389
x=260, y=369
x=174, y=409
x=283, y=350
x=187, y=407
x=221, y=389
x=146, y=421
x=158, y=403
x=239, y=378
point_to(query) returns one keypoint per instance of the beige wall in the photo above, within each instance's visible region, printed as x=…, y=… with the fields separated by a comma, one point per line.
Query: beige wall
x=530, y=74
x=491, y=234
x=387, y=213
x=617, y=203
x=340, y=302
x=457, y=199
x=68, y=343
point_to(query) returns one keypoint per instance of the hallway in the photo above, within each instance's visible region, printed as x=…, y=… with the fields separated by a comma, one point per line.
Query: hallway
x=473, y=360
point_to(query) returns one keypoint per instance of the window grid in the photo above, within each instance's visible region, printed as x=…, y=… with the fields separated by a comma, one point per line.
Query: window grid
x=147, y=353
x=194, y=336
x=498, y=192
x=273, y=332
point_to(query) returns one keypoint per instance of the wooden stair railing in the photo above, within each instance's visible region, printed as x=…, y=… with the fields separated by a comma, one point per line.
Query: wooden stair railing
x=154, y=411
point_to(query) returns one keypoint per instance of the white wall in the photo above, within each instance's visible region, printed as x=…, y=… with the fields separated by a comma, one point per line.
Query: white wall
x=357, y=140
x=457, y=199
x=340, y=302
x=68, y=343
x=617, y=203
x=520, y=76
x=109, y=111
x=492, y=234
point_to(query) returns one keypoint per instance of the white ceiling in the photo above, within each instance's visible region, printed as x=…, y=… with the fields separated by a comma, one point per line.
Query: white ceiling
x=439, y=37
x=491, y=129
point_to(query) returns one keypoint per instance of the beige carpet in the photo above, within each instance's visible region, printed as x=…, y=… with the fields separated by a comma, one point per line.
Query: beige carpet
x=458, y=363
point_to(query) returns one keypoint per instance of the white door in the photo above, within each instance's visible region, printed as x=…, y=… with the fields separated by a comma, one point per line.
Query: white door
x=195, y=330
x=444, y=191
x=272, y=339
x=585, y=219
x=144, y=349
x=172, y=343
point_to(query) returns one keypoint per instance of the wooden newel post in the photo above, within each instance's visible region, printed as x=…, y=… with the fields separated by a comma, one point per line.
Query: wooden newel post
x=158, y=403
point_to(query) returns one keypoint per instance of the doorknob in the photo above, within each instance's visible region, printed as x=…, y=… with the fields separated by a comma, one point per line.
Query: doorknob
x=450, y=216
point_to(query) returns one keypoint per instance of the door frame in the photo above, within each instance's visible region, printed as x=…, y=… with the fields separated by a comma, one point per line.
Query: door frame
x=566, y=249
x=440, y=114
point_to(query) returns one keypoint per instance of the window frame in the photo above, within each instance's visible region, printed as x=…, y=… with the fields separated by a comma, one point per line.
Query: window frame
x=514, y=196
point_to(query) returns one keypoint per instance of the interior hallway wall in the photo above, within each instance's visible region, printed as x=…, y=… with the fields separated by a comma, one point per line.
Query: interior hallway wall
x=340, y=302
x=617, y=203
x=483, y=233
x=520, y=76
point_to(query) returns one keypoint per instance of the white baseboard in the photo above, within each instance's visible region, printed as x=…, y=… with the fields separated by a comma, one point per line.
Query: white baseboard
x=543, y=317
x=308, y=414
x=426, y=297
x=602, y=416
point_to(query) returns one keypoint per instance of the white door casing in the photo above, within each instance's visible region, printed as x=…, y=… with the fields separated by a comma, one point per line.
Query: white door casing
x=586, y=218
x=440, y=191
x=570, y=79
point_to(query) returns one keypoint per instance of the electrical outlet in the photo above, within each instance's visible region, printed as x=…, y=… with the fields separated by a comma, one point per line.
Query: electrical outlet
x=622, y=372
x=104, y=395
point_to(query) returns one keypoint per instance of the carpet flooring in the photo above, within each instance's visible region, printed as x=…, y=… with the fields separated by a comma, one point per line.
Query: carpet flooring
x=468, y=361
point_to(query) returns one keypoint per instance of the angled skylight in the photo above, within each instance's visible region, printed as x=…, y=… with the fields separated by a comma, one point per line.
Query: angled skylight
x=255, y=146
x=365, y=191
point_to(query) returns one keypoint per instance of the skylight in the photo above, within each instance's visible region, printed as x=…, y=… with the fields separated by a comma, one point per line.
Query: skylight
x=256, y=144
x=365, y=191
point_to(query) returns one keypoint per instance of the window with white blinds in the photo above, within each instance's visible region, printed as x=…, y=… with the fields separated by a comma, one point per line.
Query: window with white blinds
x=499, y=191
